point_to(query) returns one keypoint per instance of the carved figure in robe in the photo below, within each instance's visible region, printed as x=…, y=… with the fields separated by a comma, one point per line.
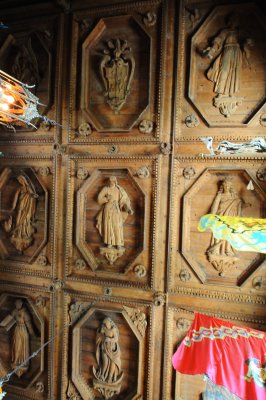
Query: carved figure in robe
x=115, y=208
x=20, y=223
x=226, y=202
x=108, y=352
x=225, y=71
x=20, y=341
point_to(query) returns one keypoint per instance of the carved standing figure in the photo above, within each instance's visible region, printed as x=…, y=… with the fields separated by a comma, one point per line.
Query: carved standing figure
x=225, y=71
x=108, y=352
x=20, y=342
x=115, y=209
x=226, y=202
x=20, y=225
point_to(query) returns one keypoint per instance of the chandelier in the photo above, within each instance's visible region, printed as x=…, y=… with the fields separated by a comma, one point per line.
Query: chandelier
x=18, y=105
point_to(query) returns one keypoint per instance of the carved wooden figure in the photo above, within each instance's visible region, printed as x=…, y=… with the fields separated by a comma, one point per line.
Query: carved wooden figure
x=20, y=342
x=226, y=202
x=225, y=71
x=20, y=223
x=108, y=374
x=115, y=209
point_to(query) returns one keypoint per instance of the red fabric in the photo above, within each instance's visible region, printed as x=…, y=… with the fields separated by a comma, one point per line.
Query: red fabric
x=231, y=356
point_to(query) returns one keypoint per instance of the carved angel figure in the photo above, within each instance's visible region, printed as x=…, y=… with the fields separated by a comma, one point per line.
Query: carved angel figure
x=226, y=202
x=20, y=222
x=108, y=352
x=115, y=209
x=226, y=68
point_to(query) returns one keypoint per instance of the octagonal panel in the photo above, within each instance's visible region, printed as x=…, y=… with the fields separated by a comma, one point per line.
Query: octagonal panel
x=110, y=222
x=92, y=361
x=24, y=214
x=115, y=74
x=228, y=267
x=227, y=66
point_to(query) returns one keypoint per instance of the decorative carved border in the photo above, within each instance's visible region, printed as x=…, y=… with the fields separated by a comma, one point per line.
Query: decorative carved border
x=153, y=224
x=219, y=295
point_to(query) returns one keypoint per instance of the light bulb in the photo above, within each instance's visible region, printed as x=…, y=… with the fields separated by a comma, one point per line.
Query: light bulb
x=10, y=99
x=4, y=106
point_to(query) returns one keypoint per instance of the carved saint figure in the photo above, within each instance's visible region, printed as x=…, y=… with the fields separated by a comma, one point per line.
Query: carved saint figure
x=225, y=71
x=226, y=202
x=108, y=352
x=20, y=342
x=115, y=209
x=20, y=223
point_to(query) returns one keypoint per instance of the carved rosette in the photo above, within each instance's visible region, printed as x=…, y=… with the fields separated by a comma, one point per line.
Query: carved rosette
x=146, y=126
x=82, y=173
x=143, y=172
x=261, y=174
x=150, y=18
x=184, y=275
x=117, y=70
x=140, y=271
x=189, y=172
x=191, y=121
x=85, y=129
x=80, y=264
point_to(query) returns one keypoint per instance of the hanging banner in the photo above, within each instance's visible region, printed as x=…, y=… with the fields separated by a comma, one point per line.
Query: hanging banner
x=244, y=234
x=231, y=356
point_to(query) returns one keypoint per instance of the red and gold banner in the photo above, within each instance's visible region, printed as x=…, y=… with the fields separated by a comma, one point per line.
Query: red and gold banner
x=231, y=356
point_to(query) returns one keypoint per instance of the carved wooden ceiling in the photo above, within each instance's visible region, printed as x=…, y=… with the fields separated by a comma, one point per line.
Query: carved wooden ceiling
x=99, y=247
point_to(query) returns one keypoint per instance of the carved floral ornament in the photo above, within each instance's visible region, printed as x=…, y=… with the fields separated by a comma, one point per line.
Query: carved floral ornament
x=117, y=69
x=138, y=318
